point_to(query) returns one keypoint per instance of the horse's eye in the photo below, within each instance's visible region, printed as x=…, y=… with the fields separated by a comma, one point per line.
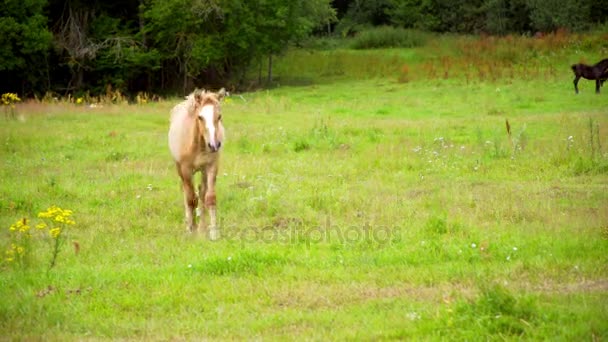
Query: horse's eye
x=219, y=117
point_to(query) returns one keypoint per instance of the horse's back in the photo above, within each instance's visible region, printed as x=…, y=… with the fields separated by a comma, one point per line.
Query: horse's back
x=603, y=62
x=178, y=130
x=603, y=65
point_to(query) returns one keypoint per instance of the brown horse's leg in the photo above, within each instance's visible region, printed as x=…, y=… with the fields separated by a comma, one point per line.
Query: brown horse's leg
x=210, y=202
x=576, y=83
x=597, y=86
x=189, y=196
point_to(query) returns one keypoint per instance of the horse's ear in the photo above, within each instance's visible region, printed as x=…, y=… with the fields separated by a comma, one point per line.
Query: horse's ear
x=221, y=94
x=198, y=95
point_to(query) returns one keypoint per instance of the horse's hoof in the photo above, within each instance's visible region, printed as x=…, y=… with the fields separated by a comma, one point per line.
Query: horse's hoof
x=214, y=234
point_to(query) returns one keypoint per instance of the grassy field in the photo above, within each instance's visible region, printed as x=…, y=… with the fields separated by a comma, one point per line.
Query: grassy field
x=373, y=208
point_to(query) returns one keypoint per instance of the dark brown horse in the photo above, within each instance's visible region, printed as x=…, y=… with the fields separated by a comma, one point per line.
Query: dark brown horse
x=597, y=72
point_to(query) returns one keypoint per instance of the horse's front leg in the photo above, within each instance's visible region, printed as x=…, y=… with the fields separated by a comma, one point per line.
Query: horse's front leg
x=597, y=86
x=210, y=203
x=576, y=84
x=189, y=196
x=202, y=190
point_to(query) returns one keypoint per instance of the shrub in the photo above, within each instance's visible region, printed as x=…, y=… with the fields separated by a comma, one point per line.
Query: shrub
x=387, y=37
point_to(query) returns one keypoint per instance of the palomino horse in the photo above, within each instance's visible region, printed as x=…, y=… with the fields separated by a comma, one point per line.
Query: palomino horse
x=195, y=137
x=597, y=72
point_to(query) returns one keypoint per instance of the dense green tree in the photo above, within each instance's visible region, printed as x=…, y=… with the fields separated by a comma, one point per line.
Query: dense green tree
x=549, y=15
x=507, y=16
x=491, y=16
x=439, y=15
x=24, y=45
x=99, y=45
x=414, y=14
x=364, y=13
x=220, y=39
x=598, y=11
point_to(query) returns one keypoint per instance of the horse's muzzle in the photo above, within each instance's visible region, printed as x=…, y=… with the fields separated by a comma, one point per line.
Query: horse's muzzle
x=214, y=148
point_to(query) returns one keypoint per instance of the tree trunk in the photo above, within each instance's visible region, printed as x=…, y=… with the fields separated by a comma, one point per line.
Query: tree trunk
x=144, y=40
x=269, y=69
x=79, y=78
x=260, y=71
x=185, y=90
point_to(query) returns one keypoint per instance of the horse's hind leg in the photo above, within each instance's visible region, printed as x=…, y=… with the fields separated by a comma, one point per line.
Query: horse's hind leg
x=576, y=84
x=598, y=83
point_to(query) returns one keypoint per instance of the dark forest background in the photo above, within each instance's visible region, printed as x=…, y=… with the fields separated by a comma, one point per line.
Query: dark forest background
x=168, y=46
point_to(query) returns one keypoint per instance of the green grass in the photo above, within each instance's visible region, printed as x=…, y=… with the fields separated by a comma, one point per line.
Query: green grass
x=358, y=209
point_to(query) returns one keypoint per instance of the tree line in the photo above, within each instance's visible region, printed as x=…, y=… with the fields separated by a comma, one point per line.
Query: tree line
x=472, y=16
x=169, y=46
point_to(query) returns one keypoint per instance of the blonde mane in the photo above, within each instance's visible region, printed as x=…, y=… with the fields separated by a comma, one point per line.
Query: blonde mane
x=194, y=100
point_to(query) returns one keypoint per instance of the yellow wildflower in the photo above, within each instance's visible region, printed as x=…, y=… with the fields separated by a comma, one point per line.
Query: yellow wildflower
x=10, y=98
x=41, y=225
x=20, y=225
x=52, y=211
x=55, y=232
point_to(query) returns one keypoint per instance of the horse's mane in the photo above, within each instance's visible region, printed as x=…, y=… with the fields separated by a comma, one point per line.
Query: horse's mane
x=200, y=97
x=192, y=99
x=195, y=99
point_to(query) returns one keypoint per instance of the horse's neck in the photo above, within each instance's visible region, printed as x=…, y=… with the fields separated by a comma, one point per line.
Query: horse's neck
x=196, y=141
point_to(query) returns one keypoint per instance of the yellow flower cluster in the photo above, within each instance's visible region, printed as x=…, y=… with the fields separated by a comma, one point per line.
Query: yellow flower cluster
x=58, y=215
x=10, y=99
x=20, y=226
x=20, y=234
x=55, y=219
x=14, y=251
x=55, y=232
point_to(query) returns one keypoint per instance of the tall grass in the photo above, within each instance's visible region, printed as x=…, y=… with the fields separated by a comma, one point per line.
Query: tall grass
x=462, y=58
x=389, y=37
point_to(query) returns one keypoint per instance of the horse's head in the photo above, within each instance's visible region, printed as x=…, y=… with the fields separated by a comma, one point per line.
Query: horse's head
x=209, y=116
